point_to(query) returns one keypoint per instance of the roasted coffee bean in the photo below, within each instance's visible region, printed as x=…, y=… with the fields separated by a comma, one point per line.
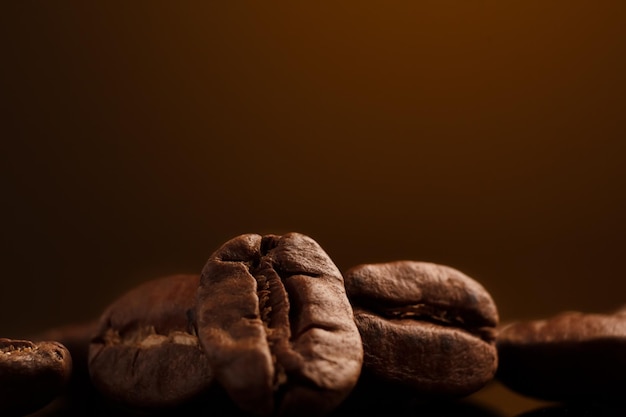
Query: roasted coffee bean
x=572, y=357
x=146, y=352
x=79, y=395
x=76, y=338
x=425, y=327
x=277, y=326
x=31, y=374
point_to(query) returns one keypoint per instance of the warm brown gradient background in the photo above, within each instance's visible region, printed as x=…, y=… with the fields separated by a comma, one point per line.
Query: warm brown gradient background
x=137, y=137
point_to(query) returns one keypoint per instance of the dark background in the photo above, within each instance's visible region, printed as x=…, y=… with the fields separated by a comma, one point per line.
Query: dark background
x=138, y=137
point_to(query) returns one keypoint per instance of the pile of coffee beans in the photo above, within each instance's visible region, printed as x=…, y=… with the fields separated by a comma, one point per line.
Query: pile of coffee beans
x=272, y=327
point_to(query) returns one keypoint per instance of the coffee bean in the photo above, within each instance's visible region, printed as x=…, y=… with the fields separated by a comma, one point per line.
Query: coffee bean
x=277, y=326
x=425, y=327
x=80, y=393
x=76, y=338
x=31, y=374
x=146, y=352
x=572, y=357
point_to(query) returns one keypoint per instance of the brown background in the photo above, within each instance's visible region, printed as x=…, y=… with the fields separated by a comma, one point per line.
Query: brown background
x=138, y=137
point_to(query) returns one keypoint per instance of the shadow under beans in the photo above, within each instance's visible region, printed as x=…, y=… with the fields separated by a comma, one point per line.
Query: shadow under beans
x=91, y=404
x=434, y=409
x=569, y=371
x=373, y=397
x=372, y=400
x=577, y=410
x=96, y=406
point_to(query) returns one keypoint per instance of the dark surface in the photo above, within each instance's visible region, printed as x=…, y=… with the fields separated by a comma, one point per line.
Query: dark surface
x=492, y=401
x=502, y=405
x=577, y=411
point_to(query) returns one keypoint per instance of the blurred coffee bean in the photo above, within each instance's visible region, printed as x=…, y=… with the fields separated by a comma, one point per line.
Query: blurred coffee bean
x=76, y=338
x=31, y=374
x=573, y=357
x=146, y=352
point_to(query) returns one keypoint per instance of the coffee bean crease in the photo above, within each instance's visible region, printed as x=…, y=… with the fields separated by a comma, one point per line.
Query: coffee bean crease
x=439, y=316
x=273, y=317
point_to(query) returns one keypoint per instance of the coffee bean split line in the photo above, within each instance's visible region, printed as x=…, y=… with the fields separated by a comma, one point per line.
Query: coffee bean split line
x=147, y=336
x=7, y=345
x=437, y=317
x=16, y=349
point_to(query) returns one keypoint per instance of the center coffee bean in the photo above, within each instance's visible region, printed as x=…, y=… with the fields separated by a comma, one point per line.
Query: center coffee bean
x=277, y=326
x=425, y=327
x=573, y=357
x=31, y=374
x=146, y=353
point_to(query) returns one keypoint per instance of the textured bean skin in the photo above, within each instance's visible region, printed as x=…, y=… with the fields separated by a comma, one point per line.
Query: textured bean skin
x=146, y=353
x=425, y=327
x=76, y=338
x=573, y=356
x=277, y=326
x=31, y=374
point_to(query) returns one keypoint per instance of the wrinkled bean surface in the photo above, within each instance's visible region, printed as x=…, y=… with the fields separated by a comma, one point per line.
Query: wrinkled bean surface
x=146, y=352
x=277, y=326
x=31, y=374
x=424, y=326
